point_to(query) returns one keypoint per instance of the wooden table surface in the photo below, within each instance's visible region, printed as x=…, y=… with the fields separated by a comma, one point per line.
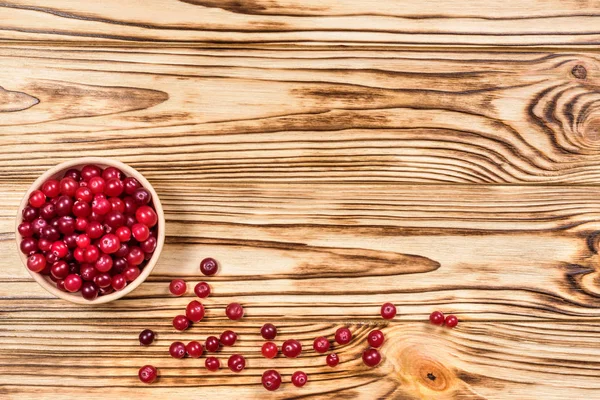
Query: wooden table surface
x=332, y=155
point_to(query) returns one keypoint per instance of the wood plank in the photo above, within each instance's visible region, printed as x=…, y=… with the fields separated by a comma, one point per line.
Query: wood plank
x=357, y=22
x=248, y=116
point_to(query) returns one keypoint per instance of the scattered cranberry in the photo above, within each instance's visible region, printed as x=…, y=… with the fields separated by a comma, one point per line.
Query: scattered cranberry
x=194, y=349
x=321, y=344
x=236, y=363
x=181, y=323
x=388, y=311
x=73, y=283
x=211, y=343
x=177, y=287
x=269, y=350
x=299, y=378
x=212, y=364
x=147, y=337
x=148, y=374
x=451, y=321
x=332, y=360
x=194, y=311
x=268, y=331
x=343, y=335
x=234, y=311
x=209, y=266
x=436, y=318
x=177, y=350
x=271, y=380
x=228, y=338
x=375, y=338
x=36, y=262
x=291, y=348
x=371, y=357
x=202, y=290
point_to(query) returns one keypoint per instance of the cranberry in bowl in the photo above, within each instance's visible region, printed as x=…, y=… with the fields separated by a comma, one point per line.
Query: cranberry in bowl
x=90, y=230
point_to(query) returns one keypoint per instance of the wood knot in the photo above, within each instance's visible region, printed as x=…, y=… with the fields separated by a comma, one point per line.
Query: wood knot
x=591, y=130
x=579, y=71
x=419, y=368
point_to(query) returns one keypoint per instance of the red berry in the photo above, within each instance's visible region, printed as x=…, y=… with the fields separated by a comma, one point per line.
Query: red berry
x=90, y=171
x=228, y=338
x=375, y=338
x=177, y=287
x=371, y=357
x=208, y=266
x=59, y=249
x=113, y=187
x=234, y=311
x=211, y=343
x=202, y=290
x=51, y=188
x=59, y=270
x=28, y=246
x=83, y=240
x=101, y=206
x=291, y=348
x=81, y=224
x=123, y=233
x=236, y=363
x=181, y=323
x=147, y=374
x=91, y=254
x=321, y=344
x=212, y=363
x=30, y=213
x=194, y=311
x=73, y=283
x=88, y=272
x=268, y=331
x=89, y=291
x=140, y=232
x=114, y=219
x=194, y=349
x=117, y=204
x=146, y=215
x=343, y=335
x=79, y=254
x=131, y=185
x=112, y=173
x=36, y=262
x=146, y=337
x=451, y=321
x=271, y=380
x=177, y=350
x=131, y=273
x=68, y=186
x=118, y=282
x=103, y=280
x=141, y=196
x=84, y=194
x=109, y=243
x=269, y=350
x=104, y=263
x=436, y=318
x=388, y=311
x=135, y=256
x=37, y=198
x=332, y=360
x=96, y=185
x=149, y=245
x=25, y=229
x=94, y=230
x=48, y=211
x=299, y=378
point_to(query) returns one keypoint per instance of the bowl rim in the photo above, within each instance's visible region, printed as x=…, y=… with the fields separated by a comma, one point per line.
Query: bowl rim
x=128, y=171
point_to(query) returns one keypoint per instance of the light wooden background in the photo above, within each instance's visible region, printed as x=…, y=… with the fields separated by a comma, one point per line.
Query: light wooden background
x=332, y=155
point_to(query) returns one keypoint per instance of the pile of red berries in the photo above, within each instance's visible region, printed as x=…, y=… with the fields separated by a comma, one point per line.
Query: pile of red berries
x=91, y=231
x=437, y=318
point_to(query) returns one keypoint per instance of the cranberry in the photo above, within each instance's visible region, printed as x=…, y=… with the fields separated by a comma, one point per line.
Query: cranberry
x=228, y=338
x=73, y=283
x=89, y=291
x=114, y=219
x=208, y=266
x=212, y=343
x=147, y=374
x=84, y=195
x=212, y=364
x=140, y=232
x=119, y=265
x=146, y=337
x=271, y=379
x=28, y=246
x=96, y=185
x=181, y=323
x=105, y=291
x=63, y=206
x=59, y=270
x=25, y=229
x=123, y=233
x=66, y=225
x=343, y=335
x=36, y=262
x=194, y=349
x=51, y=188
x=451, y=321
x=146, y=215
x=436, y=318
x=149, y=245
x=90, y=171
x=291, y=348
x=321, y=344
x=234, y=311
x=73, y=174
x=177, y=287
x=332, y=360
x=81, y=224
x=135, y=256
x=104, y=263
x=130, y=221
x=103, y=280
x=83, y=240
x=202, y=289
x=110, y=243
x=101, y=205
x=113, y=187
x=91, y=254
x=194, y=311
x=177, y=350
x=269, y=350
x=112, y=173
x=60, y=284
x=122, y=252
x=45, y=245
x=60, y=249
x=48, y=211
x=236, y=363
x=71, y=240
x=371, y=357
x=68, y=186
x=131, y=184
x=118, y=282
x=37, y=198
x=117, y=204
x=131, y=273
x=141, y=196
x=87, y=271
x=94, y=230
x=299, y=378
x=375, y=338
x=96, y=217
x=29, y=213
x=130, y=205
x=388, y=311
x=51, y=258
